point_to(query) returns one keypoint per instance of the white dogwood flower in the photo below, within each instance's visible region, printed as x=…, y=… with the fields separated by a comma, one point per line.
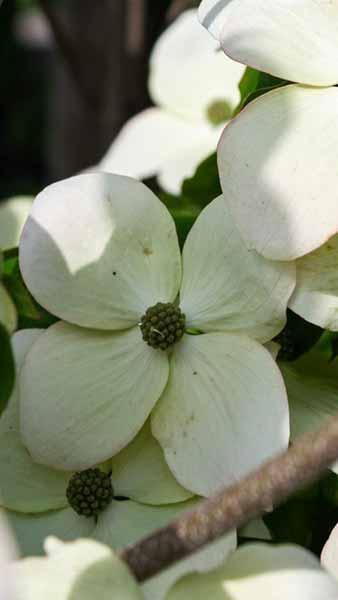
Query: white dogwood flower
x=194, y=88
x=101, y=252
x=261, y=572
x=277, y=160
x=40, y=501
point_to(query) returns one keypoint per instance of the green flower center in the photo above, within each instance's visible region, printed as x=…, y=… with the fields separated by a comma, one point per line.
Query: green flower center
x=218, y=112
x=162, y=325
x=89, y=492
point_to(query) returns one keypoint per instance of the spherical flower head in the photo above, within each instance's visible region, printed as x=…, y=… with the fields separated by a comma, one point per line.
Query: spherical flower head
x=129, y=347
x=162, y=325
x=218, y=112
x=89, y=492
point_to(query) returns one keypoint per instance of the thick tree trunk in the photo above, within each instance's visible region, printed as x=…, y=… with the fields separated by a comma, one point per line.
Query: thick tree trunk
x=100, y=75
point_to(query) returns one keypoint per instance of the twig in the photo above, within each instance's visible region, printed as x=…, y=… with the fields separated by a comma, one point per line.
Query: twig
x=267, y=487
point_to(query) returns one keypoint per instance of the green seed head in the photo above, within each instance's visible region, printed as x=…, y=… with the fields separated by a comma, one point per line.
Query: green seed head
x=218, y=112
x=162, y=325
x=89, y=492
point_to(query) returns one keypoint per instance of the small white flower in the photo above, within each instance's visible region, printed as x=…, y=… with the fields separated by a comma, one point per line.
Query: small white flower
x=98, y=250
x=277, y=160
x=189, y=81
x=261, y=572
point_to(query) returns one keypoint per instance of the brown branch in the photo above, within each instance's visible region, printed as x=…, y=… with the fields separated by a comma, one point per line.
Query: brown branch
x=267, y=487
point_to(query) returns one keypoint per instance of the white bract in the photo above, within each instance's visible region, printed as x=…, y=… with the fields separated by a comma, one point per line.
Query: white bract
x=315, y=297
x=329, y=555
x=188, y=78
x=97, y=251
x=277, y=159
x=36, y=503
x=80, y=570
x=8, y=553
x=261, y=572
x=13, y=215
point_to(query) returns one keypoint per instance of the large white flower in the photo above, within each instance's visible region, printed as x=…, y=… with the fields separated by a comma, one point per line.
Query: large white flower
x=190, y=83
x=98, y=251
x=277, y=160
x=145, y=494
x=261, y=572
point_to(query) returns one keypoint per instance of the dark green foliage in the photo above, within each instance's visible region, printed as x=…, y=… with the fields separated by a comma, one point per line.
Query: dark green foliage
x=254, y=84
x=204, y=185
x=30, y=313
x=7, y=368
x=297, y=337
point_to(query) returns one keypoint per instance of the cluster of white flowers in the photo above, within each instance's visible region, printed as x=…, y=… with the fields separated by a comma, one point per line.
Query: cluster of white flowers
x=158, y=384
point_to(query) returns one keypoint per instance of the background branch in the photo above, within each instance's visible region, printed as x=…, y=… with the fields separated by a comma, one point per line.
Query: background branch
x=259, y=492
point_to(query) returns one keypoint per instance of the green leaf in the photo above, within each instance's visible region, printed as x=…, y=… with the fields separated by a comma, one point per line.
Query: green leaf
x=292, y=522
x=204, y=185
x=254, y=84
x=7, y=368
x=248, y=83
x=30, y=313
x=184, y=220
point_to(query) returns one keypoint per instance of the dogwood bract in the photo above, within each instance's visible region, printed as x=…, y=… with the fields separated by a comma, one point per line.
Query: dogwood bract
x=277, y=160
x=261, y=572
x=101, y=252
x=13, y=214
x=194, y=89
x=315, y=297
x=80, y=570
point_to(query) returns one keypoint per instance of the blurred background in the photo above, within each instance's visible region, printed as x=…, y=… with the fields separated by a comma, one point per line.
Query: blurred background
x=72, y=73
